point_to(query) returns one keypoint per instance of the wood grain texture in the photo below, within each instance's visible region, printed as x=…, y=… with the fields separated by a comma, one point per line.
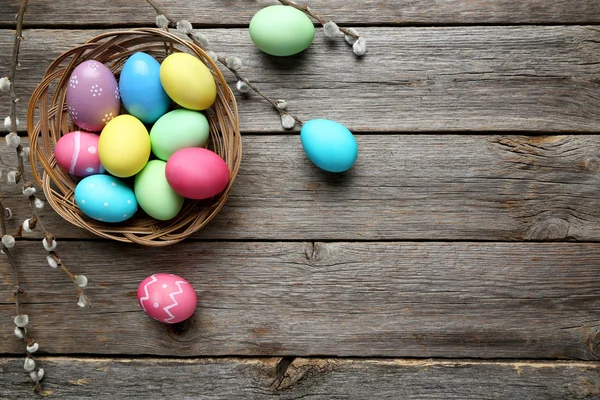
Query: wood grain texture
x=528, y=78
x=227, y=12
x=474, y=300
x=313, y=378
x=403, y=187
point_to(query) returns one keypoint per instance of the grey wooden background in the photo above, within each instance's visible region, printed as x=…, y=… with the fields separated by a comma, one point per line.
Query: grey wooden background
x=459, y=258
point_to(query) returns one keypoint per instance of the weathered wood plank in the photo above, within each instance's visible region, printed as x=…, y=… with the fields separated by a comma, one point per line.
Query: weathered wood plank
x=226, y=12
x=404, y=187
x=526, y=78
x=503, y=300
x=314, y=378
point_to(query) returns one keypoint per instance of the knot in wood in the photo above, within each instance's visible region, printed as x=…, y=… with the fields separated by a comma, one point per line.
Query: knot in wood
x=548, y=228
x=591, y=164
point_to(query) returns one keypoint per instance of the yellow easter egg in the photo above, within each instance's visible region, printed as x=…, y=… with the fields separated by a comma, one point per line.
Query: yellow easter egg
x=188, y=81
x=124, y=146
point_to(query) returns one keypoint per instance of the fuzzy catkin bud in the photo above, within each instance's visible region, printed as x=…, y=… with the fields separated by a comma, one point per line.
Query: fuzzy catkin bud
x=33, y=348
x=28, y=191
x=25, y=151
x=184, y=27
x=281, y=104
x=162, y=21
x=49, y=246
x=242, y=87
x=18, y=332
x=51, y=261
x=8, y=214
x=4, y=84
x=8, y=241
x=201, y=39
x=21, y=321
x=29, y=364
x=81, y=281
x=83, y=301
x=13, y=140
x=27, y=225
x=39, y=204
x=213, y=55
x=287, y=121
x=11, y=177
x=8, y=123
x=37, y=376
x=360, y=46
x=349, y=38
x=331, y=29
x=234, y=63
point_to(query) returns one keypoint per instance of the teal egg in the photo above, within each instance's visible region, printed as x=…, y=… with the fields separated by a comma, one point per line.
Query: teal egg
x=142, y=93
x=105, y=198
x=328, y=144
x=177, y=130
x=281, y=30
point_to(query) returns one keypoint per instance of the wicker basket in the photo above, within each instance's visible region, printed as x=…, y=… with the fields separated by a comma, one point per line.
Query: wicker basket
x=47, y=121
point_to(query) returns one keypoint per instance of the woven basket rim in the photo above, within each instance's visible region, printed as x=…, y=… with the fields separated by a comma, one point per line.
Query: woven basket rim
x=49, y=101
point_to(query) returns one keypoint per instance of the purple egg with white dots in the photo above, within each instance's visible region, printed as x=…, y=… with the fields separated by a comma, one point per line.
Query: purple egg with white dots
x=105, y=198
x=93, y=96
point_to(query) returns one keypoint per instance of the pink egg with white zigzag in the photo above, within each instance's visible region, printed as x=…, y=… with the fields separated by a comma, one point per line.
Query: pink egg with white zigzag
x=77, y=153
x=167, y=298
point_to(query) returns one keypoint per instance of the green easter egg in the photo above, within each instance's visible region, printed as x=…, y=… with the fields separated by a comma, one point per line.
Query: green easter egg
x=177, y=130
x=281, y=30
x=153, y=193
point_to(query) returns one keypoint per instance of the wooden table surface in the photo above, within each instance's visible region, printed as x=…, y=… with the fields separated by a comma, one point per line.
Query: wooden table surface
x=458, y=259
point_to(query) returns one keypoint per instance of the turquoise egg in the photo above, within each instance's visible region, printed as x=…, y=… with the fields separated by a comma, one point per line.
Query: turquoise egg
x=328, y=144
x=142, y=93
x=281, y=30
x=105, y=198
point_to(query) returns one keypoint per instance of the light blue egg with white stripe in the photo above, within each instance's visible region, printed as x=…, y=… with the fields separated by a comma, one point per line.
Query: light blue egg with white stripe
x=105, y=198
x=329, y=144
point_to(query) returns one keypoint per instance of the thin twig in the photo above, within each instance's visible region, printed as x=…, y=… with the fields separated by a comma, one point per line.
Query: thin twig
x=310, y=12
x=223, y=61
x=17, y=291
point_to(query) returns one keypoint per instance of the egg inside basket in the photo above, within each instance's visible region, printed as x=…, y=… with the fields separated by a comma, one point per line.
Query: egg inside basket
x=48, y=120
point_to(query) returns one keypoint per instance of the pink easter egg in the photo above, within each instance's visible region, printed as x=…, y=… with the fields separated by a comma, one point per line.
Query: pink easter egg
x=167, y=298
x=77, y=153
x=93, y=96
x=197, y=173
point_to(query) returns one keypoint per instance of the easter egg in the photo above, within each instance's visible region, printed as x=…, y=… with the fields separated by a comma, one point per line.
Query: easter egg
x=124, y=146
x=153, y=193
x=167, y=298
x=92, y=96
x=197, y=173
x=177, y=130
x=328, y=144
x=105, y=198
x=188, y=81
x=141, y=91
x=77, y=153
x=281, y=30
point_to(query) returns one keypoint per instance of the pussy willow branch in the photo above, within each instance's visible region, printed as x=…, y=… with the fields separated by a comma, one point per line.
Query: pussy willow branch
x=17, y=291
x=223, y=61
x=309, y=11
x=21, y=173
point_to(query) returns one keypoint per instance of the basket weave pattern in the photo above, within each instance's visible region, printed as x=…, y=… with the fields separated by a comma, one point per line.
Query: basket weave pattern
x=47, y=121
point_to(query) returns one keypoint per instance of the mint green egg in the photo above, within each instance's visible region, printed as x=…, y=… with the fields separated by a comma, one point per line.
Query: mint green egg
x=177, y=130
x=154, y=194
x=281, y=30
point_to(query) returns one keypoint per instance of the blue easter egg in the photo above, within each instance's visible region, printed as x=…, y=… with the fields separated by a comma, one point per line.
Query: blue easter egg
x=105, y=198
x=142, y=93
x=328, y=144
